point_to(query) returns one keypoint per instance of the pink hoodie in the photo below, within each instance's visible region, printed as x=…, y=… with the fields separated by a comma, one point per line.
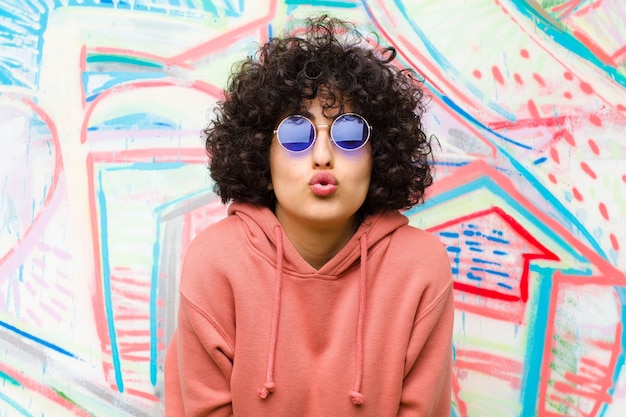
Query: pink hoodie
x=262, y=333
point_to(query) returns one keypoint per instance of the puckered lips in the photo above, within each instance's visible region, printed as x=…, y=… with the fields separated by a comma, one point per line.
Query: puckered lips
x=323, y=184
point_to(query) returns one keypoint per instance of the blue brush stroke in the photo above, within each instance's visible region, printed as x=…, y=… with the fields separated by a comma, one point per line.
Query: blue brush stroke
x=106, y=284
x=15, y=405
x=37, y=339
x=567, y=41
x=533, y=360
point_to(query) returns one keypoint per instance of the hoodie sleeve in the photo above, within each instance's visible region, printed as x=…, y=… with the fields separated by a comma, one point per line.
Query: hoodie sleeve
x=426, y=390
x=198, y=367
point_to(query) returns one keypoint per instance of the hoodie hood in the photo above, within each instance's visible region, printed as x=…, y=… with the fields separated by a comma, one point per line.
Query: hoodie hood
x=261, y=224
x=268, y=238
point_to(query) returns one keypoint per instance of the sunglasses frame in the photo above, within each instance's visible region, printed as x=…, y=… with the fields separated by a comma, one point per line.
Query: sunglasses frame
x=330, y=128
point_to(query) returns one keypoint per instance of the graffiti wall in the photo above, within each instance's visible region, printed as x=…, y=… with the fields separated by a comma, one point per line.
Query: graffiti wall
x=103, y=185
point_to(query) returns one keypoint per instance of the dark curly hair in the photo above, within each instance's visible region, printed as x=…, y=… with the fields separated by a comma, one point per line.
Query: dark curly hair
x=331, y=59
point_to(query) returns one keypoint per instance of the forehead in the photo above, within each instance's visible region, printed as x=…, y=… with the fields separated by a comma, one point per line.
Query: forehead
x=327, y=106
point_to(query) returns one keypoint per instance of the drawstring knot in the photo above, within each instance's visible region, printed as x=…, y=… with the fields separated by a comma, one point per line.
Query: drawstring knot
x=266, y=390
x=357, y=398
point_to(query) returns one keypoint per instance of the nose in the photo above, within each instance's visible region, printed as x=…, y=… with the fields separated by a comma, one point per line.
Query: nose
x=323, y=147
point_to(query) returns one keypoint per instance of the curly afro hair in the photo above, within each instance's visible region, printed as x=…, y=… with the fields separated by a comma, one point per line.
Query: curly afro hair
x=328, y=58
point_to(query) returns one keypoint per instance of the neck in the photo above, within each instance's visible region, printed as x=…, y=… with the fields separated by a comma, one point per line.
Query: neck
x=317, y=245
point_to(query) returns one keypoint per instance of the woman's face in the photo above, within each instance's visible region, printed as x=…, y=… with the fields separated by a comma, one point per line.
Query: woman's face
x=323, y=186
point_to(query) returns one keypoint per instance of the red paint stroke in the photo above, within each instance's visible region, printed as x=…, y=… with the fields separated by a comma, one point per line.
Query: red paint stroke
x=603, y=381
x=13, y=257
x=44, y=390
x=539, y=80
x=595, y=120
x=586, y=88
x=518, y=79
x=532, y=109
x=594, y=146
x=614, y=242
x=577, y=195
x=567, y=95
x=588, y=170
x=617, y=55
x=496, y=366
x=231, y=37
x=477, y=74
x=594, y=48
x=524, y=53
x=603, y=211
x=528, y=123
x=554, y=154
x=568, y=76
x=567, y=6
x=497, y=75
x=552, y=178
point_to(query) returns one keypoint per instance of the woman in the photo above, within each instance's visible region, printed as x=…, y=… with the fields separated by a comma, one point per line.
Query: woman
x=314, y=297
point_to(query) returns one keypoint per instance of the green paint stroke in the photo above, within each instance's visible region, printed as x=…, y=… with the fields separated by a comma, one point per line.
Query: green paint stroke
x=120, y=59
x=10, y=379
x=69, y=400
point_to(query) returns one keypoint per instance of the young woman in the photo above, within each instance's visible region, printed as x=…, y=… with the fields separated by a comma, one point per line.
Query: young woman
x=314, y=297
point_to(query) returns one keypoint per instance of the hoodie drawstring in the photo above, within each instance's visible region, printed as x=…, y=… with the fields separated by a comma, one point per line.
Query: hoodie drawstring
x=270, y=385
x=355, y=395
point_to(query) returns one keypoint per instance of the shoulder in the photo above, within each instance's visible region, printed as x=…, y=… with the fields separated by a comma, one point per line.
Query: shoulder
x=215, y=238
x=424, y=260
x=211, y=255
x=414, y=242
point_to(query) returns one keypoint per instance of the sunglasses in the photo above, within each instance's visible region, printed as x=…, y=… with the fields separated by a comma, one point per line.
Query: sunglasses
x=349, y=131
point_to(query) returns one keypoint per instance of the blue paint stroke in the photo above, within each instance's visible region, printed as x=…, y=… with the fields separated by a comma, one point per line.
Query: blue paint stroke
x=15, y=405
x=37, y=339
x=566, y=40
x=444, y=63
x=533, y=360
x=106, y=284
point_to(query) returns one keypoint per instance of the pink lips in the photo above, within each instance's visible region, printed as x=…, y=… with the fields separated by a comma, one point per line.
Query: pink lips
x=323, y=184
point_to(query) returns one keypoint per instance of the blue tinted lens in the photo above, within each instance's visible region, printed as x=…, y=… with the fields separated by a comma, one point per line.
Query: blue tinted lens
x=296, y=133
x=350, y=131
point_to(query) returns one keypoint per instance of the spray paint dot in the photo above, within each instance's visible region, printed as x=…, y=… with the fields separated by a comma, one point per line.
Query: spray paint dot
x=586, y=88
x=555, y=155
x=497, y=75
x=588, y=170
x=595, y=120
x=524, y=53
x=567, y=95
x=568, y=75
x=594, y=147
x=614, y=242
x=477, y=74
x=552, y=178
x=577, y=195
x=603, y=211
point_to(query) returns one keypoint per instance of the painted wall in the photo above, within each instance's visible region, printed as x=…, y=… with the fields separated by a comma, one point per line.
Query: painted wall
x=103, y=185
